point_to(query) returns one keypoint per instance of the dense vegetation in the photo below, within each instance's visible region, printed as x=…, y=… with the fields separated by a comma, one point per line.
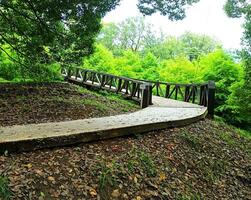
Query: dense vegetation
x=131, y=49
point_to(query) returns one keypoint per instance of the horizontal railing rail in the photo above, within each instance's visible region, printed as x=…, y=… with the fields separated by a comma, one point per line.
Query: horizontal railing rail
x=129, y=88
x=202, y=93
x=142, y=90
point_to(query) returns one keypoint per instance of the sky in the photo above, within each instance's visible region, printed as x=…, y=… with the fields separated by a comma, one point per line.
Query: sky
x=206, y=17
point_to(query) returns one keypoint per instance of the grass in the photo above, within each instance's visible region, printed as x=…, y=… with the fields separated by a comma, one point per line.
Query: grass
x=244, y=133
x=100, y=106
x=214, y=170
x=191, y=139
x=226, y=137
x=127, y=104
x=147, y=163
x=5, y=192
x=189, y=197
x=110, y=172
x=106, y=176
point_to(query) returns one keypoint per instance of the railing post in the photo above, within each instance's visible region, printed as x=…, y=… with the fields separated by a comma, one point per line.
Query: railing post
x=119, y=85
x=150, y=94
x=211, y=99
x=76, y=74
x=69, y=70
x=157, y=88
x=146, y=95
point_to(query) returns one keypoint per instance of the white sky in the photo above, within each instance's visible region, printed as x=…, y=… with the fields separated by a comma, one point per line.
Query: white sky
x=206, y=17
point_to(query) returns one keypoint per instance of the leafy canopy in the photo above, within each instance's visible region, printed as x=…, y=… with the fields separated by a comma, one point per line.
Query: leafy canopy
x=174, y=9
x=241, y=97
x=63, y=30
x=58, y=30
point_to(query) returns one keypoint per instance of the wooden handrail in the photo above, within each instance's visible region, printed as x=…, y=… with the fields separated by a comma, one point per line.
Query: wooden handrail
x=142, y=90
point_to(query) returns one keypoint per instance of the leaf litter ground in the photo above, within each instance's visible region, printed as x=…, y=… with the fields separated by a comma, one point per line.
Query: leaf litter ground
x=205, y=160
x=50, y=102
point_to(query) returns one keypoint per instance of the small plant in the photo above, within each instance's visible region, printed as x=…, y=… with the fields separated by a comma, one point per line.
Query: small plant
x=213, y=169
x=190, y=197
x=95, y=103
x=227, y=138
x=147, y=163
x=132, y=165
x=5, y=192
x=190, y=139
x=106, y=174
x=140, y=160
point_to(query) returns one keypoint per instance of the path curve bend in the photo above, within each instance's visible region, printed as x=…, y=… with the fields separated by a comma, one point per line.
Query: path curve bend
x=162, y=114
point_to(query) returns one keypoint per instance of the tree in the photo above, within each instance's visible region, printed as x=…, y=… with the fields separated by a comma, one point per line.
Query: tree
x=133, y=33
x=174, y=9
x=241, y=96
x=108, y=36
x=168, y=48
x=220, y=67
x=102, y=60
x=62, y=30
x=188, y=45
x=47, y=31
x=195, y=45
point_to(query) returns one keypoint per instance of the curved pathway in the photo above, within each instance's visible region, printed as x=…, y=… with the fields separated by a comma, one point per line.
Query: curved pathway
x=163, y=113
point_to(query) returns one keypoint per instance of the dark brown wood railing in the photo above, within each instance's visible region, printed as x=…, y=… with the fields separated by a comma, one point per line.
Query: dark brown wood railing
x=129, y=88
x=201, y=94
x=141, y=90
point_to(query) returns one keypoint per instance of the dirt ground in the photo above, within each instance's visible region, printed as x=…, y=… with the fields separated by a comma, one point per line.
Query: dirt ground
x=52, y=102
x=205, y=160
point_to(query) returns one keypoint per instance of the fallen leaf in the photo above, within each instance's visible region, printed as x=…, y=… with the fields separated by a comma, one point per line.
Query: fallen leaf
x=29, y=165
x=162, y=177
x=39, y=172
x=138, y=198
x=115, y=193
x=135, y=180
x=50, y=178
x=92, y=192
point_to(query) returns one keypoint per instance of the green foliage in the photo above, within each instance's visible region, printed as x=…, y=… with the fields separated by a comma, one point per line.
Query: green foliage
x=221, y=68
x=10, y=71
x=147, y=163
x=175, y=10
x=217, y=65
x=102, y=60
x=179, y=70
x=241, y=92
x=48, y=31
x=5, y=192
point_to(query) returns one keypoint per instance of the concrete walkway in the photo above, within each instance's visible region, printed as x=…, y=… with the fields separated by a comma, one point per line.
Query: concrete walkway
x=164, y=113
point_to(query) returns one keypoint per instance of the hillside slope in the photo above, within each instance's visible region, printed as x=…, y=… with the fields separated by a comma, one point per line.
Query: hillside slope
x=25, y=103
x=205, y=160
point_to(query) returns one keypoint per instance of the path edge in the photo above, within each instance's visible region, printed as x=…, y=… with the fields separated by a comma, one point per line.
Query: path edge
x=84, y=137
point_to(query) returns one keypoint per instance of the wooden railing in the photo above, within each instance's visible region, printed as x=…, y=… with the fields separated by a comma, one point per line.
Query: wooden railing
x=202, y=94
x=129, y=88
x=142, y=90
